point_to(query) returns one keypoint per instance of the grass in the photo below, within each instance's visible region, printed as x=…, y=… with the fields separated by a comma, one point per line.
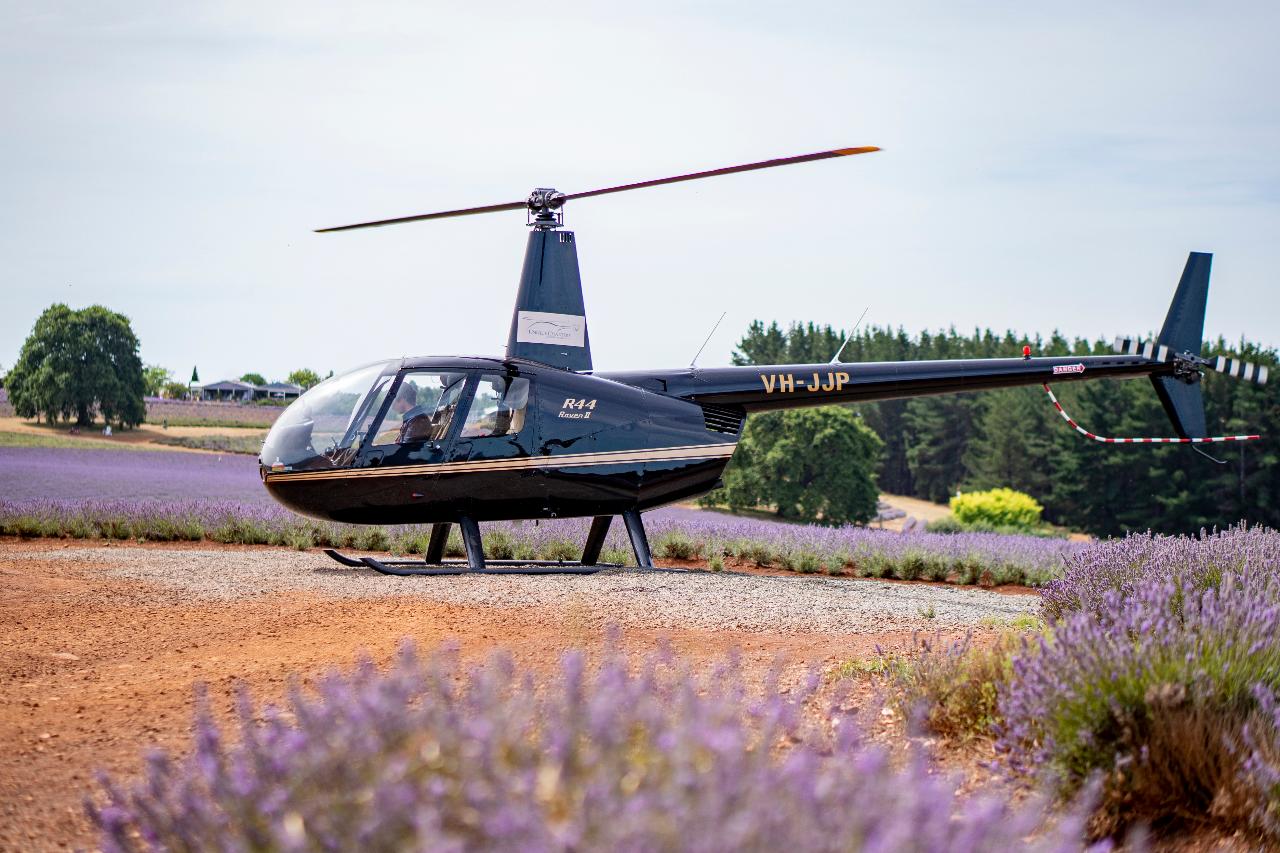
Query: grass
x=952, y=690
x=1021, y=622
x=59, y=440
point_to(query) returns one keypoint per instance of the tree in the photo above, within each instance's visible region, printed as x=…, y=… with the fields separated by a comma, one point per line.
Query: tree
x=154, y=378
x=174, y=391
x=809, y=464
x=940, y=429
x=304, y=377
x=254, y=379
x=77, y=361
x=195, y=376
x=1012, y=443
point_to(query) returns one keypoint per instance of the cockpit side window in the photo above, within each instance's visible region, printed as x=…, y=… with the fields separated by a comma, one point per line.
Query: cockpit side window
x=422, y=407
x=498, y=407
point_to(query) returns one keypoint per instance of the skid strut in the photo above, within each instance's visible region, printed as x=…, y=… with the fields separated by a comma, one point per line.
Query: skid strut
x=476, y=564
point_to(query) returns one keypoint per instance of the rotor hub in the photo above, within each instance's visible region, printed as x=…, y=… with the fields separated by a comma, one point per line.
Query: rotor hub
x=545, y=207
x=1188, y=367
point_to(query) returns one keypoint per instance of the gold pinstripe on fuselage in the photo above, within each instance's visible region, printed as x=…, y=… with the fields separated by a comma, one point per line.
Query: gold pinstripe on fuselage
x=570, y=460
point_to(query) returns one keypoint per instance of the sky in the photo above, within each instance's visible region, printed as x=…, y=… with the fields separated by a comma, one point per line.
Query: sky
x=1044, y=166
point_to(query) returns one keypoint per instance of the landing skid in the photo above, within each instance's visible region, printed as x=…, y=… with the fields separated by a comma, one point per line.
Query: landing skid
x=404, y=568
x=476, y=564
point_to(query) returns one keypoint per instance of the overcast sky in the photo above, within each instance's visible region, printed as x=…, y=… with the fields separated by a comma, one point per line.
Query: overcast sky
x=1044, y=166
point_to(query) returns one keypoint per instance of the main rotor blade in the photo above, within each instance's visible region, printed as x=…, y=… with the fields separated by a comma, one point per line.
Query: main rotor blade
x=728, y=170
x=521, y=205
x=491, y=208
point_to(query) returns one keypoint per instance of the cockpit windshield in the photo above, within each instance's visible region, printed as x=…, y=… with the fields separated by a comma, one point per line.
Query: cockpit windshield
x=325, y=426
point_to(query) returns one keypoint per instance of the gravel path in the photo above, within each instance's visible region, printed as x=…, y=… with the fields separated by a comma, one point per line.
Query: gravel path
x=628, y=597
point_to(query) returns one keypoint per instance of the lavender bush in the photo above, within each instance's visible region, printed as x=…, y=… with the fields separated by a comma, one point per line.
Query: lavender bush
x=1157, y=653
x=421, y=758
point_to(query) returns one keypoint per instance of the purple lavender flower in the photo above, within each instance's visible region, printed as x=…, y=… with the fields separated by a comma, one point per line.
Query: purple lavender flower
x=638, y=756
x=1159, y=656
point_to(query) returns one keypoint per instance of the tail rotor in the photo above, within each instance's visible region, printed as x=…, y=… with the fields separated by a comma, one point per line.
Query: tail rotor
x=1226, y=365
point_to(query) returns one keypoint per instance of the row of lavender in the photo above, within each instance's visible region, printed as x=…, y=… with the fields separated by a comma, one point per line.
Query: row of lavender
x=675, y=533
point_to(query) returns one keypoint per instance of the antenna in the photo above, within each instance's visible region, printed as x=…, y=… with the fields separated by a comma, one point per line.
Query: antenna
x=693, y=364
x=849, y=337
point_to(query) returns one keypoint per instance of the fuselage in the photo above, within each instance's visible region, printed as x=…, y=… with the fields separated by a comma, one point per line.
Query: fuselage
x=435, y=439
x=501, y=439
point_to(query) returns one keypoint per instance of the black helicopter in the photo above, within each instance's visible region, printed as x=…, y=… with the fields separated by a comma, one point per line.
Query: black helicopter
x=539, y=434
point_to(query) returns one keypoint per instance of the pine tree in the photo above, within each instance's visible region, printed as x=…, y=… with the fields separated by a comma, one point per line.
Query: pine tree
x=940, y=428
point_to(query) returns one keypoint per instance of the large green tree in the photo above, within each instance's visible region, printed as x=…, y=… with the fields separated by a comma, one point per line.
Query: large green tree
x=78, y=362
x=304, y=376
x=155, y=378
x=808, y=464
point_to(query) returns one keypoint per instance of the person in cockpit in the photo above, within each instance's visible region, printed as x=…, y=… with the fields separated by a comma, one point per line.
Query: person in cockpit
x=416, y=423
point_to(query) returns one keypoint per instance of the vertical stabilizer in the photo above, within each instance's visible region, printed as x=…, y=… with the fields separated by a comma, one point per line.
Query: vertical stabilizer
x=1184, y=324
x=1183, y=328
x=550, y=320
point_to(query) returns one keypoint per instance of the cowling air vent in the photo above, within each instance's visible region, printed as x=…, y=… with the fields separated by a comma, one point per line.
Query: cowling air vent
x=723, y=419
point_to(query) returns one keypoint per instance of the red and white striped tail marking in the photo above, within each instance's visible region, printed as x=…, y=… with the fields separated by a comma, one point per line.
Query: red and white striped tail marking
x=1217, y=439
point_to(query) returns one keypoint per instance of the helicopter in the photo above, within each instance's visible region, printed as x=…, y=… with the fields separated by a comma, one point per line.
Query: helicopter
x=540, y=434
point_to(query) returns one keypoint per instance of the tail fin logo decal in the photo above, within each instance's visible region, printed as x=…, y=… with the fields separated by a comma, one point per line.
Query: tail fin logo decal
x=542, y=327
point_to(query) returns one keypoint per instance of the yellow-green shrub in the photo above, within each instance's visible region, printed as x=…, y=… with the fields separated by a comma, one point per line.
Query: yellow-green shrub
x=997, y=507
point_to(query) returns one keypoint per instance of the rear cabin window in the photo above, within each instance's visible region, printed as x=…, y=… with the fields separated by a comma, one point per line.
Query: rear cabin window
x=498, y=407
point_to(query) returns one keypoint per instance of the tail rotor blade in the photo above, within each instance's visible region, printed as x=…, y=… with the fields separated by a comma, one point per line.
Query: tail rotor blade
x=1246, y=370
x=1226, y=365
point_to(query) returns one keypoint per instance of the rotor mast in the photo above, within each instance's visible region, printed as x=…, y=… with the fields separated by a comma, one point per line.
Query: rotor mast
x=546, y=209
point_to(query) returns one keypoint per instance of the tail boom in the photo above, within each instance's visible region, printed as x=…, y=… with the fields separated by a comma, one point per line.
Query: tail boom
x=763, y=388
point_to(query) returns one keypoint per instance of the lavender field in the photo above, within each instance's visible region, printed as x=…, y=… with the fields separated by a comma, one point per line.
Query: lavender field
x=168, y=495
x=44, y=473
